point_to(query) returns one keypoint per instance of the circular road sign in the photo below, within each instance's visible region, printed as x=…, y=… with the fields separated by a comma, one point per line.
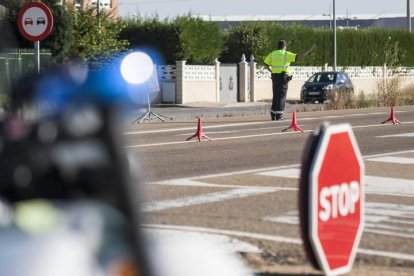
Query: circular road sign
x=335, y=203
x=35, y=21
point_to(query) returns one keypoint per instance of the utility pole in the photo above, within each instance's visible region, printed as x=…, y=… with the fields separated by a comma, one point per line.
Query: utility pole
x=408, y=16
x=99, y=22
x=334, y=36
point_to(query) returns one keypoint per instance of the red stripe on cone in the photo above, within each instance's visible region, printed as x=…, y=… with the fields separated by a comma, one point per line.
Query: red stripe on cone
x=392, y=118
x=294, y=125
x=199, y=133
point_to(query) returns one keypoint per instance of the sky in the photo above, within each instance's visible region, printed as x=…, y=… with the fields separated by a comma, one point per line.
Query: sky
x=172, y=8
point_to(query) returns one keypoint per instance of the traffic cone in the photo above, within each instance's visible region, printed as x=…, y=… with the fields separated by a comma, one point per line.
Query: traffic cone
x=294, y=124
x=392, y=118
x=199, y=133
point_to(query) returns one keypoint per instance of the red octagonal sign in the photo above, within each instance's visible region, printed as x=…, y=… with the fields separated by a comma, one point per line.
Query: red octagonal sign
x=336, y=199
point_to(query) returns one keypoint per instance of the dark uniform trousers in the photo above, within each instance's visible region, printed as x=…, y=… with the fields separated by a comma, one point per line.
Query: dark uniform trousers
x=280, y=87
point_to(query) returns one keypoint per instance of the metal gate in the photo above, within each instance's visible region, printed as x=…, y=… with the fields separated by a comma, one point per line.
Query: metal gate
x=229, y=83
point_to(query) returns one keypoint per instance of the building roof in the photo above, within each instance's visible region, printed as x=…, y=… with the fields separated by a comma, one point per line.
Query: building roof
x=299, y=17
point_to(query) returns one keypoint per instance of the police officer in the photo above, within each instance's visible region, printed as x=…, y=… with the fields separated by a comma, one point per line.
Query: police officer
x=278, y=63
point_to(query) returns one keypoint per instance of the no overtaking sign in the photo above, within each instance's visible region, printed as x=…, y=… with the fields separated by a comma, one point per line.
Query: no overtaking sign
x=35, y=21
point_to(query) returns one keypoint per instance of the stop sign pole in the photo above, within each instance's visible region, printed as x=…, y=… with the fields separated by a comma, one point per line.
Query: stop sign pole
x=331, y=199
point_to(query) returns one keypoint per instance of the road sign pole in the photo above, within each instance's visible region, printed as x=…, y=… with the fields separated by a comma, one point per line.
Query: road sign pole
x=37, y=56
x=35, y=22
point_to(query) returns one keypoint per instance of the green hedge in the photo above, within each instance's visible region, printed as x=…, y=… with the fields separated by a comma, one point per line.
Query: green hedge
x=185, y=38
x=200, y=42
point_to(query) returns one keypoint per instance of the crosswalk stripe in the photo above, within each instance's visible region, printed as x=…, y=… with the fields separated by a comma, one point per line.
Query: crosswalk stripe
x=410, y=134
x=205, y=198
x=274, y=238
x=373, y=184
x=393, y=159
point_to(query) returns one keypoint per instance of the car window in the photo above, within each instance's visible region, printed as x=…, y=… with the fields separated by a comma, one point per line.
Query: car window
x=343, y=77
x=322, y=78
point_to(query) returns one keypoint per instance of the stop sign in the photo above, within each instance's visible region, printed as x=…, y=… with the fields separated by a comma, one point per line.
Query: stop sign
x=335, y=199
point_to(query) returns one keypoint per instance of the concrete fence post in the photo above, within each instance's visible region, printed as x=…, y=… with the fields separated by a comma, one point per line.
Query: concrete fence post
x=243, y=81
x=384, y=76
x=217, y=69
x=180, y=82
x=252, y=65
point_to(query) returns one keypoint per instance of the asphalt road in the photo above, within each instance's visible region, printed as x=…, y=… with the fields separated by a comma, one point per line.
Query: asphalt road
x=244, y=183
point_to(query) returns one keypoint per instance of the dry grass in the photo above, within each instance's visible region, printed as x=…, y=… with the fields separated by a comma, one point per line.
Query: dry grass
x=389, y=93
x=342, y=100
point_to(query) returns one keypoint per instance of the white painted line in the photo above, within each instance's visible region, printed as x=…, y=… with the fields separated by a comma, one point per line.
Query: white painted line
x=229, y=244
x=389, y=186
x=389, y=227
x=411, y=134
x=217, y=139
x=394, y=255
x=250, y=136
x=373, y=184
x=254, y=123
x=190, y=181
x=237, y=130
x=232, y=173
x=273, y=238
x=227, y=232
x=387, y=154
x=287, y=173
x=205, y=198
x=194, y=183
x=380, y=218
x=389, y=233
x=193, y=128
x=393, y=159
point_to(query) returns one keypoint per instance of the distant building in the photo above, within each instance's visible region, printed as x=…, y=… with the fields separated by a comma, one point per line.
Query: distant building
x=111, y=6
x=354, y=21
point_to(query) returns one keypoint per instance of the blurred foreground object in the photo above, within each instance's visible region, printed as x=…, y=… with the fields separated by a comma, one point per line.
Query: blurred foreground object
x=69, y=201
x=69, y=194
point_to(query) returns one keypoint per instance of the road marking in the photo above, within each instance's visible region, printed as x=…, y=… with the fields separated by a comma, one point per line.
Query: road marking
x=195, y=183
x=411, y=134
x=373, y=184
x=287, y=173
x=248, y=136
x=205, y=198
x=192, y=128
x=229, y=244
x=393, y=159
x=253, y=123
x=190, y=181
x=229, y=173
x=237, y=130
x=380, y=218
x=226, y=232
x=215, y=139
x=273, y=238
x=389, y=186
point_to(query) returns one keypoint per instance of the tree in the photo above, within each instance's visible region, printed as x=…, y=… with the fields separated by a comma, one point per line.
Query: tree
x=248, y=39
x=201, y=41
x=160, y=37
x=95, y=37
x=61, y=38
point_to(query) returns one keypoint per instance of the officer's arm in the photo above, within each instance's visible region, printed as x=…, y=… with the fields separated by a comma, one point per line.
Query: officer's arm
x=302, y=55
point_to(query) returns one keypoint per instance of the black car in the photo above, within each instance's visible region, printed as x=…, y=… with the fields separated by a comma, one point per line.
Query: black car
x=41, y=20
x=322, y=86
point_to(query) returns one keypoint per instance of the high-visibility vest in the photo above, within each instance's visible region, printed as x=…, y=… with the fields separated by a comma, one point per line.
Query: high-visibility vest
x=279, y=60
